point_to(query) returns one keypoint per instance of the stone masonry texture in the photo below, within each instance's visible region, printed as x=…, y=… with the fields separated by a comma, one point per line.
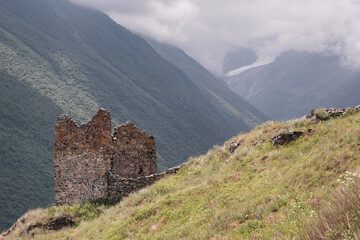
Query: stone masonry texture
x=91, y=163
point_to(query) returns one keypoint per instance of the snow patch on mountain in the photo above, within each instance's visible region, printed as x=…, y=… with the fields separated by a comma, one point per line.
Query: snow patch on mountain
x=259, y=62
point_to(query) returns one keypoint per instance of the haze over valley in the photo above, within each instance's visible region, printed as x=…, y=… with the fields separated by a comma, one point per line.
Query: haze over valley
x=204, y=83
x=284, y=57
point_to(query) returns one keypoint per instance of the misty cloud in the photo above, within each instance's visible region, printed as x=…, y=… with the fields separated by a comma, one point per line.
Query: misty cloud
x=206, y=29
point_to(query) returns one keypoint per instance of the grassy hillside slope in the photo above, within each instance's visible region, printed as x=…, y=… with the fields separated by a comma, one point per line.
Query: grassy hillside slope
x=258, y=192
x=69, y=59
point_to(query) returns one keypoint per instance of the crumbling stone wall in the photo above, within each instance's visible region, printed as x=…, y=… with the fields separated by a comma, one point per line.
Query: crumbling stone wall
x=80, y=162
x=87, y=156
x=121, y=187
x=134, y=152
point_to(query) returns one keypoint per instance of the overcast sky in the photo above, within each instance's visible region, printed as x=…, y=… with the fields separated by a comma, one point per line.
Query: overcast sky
x=206, y=29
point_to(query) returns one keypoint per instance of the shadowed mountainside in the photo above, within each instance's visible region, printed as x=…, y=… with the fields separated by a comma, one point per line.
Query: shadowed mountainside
x=60, y=58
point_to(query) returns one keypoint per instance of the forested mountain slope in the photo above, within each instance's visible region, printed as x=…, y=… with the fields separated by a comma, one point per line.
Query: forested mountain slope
x=60, y=58
x=216, y=91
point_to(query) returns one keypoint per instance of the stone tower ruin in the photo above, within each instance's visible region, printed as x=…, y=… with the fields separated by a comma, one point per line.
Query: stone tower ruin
x=90, y=162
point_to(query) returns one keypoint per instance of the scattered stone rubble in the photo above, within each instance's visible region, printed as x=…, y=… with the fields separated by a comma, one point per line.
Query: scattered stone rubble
x=91, y=163
x=59, y=222
x=55, y=223
x=233, y=146
x=256, y=142
x=20, y=221
x=333, y=112
x=285, y=138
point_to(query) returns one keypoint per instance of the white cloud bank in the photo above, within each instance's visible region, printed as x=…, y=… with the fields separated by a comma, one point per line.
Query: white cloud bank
x=206, y=29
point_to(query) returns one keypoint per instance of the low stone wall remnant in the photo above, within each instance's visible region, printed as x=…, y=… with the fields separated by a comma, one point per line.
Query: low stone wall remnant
x=332, y=112
x=121, y=187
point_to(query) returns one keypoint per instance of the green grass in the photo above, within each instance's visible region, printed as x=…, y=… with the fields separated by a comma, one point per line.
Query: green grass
x=322, y=114
x=340, y=217
x=61, y=58
x=259, y=190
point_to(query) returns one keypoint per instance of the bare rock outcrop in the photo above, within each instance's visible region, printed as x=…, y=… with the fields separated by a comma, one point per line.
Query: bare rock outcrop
x=285, y=138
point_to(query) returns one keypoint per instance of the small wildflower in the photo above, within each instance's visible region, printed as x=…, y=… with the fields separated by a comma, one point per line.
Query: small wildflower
x=277, y=234
x=255, y=237
x=312, y=213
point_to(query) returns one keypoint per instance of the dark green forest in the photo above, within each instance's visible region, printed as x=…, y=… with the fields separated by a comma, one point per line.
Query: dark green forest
x=60, y=58
x=26, y=140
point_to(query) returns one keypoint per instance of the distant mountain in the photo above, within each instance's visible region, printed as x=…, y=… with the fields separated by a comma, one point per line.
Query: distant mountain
x=297, y=81
x=238, y=57
x=60, y=58
x=215, y=90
